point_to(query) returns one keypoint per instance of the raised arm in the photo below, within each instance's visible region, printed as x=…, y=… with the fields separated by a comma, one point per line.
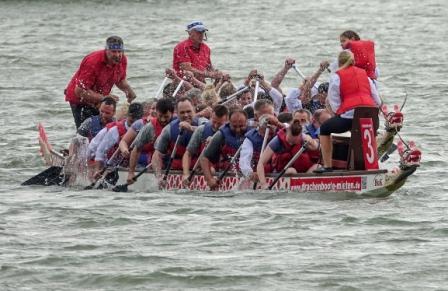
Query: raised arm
x=278, y=78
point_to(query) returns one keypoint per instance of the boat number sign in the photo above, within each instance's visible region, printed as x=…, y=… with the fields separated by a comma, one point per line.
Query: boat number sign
x=368, y=144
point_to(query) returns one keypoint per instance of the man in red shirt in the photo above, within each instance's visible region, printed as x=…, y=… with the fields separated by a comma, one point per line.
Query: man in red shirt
x=193, y=54
x=97, y=74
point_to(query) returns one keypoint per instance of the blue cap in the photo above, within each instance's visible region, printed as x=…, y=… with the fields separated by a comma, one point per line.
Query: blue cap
x=196, y=25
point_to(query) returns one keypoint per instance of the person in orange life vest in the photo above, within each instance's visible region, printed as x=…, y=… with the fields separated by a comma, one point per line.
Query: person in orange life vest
x=93, y=125
x=193, y=54
x=97, y=74
x=185, y=124
x=144, y=141
x=252, y=145
x=349, y=88
x=115, y=132
x=201, y=137
x=363, y=52
x=282, y=148
x=224, y=145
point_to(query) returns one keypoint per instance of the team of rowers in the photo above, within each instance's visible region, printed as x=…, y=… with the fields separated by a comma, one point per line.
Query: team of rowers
x=254, y=129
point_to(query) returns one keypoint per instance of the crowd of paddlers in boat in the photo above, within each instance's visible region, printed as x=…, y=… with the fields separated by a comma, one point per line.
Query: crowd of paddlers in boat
x=199, y=121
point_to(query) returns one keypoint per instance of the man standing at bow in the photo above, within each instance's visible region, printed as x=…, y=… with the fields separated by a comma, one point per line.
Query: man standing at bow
x=97, y=74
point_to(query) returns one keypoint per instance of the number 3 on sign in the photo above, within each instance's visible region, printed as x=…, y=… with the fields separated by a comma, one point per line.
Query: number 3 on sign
x=368, y=144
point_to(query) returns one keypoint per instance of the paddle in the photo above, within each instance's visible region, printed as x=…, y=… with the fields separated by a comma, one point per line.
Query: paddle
x=296, y=68
x=178, y=88
x=233, y=96
x=263, y=146
x=293, y=159
x=257, y=86
x=232, y=161
x=124, y=187
x=173, y=154
x=161, y=87
x=103, y=173
x=48, y=177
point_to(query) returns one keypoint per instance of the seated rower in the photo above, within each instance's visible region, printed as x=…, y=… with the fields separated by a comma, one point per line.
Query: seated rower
x=264, y=89
x=252, y=145
x=115, y=131
x=202, y=136
x=303, y=116
x=349, y=88
x=318, y=118
x=143, y=144
x=282, y=148
x=224, y=145
x=92, y=125
x=164, y=114
x=164, y=146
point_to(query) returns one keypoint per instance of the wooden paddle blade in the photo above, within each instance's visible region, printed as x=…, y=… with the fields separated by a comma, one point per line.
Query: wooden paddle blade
x=51, y=176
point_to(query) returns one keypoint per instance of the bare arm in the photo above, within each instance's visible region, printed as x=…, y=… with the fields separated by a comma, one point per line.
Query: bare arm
x=305, y=96
x=127, y=139
x=278, y=78
x=204, y=74
x=124, y=86
x=157, y=163
x=135, y=154
x=206, y=170
x=88, y=96
x=264, y=158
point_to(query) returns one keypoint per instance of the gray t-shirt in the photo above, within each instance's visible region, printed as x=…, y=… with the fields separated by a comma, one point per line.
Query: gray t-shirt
x=145, y=135
x=196, y=140
x=163, y=140
x=212, y=152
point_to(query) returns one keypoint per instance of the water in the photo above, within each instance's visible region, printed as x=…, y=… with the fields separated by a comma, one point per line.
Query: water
x=61, y=239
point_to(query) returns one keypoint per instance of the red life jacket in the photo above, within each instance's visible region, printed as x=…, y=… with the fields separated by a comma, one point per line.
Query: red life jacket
x=280, y=159
x=354, y=89
x=364, y=53
x=121, y=126
x=149, y=147
x=231, y=145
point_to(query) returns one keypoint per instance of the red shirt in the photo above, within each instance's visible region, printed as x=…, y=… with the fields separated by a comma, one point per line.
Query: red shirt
x=184, y=52
x=96, y=74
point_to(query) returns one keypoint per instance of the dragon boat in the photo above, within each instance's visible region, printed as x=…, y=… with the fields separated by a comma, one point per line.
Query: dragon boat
x=359, y=169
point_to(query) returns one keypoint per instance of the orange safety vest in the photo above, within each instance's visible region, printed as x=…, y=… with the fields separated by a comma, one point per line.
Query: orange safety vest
x=354, y=89
x=364, y=53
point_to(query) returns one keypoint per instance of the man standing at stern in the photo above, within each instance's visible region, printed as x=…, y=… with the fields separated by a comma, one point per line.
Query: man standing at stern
x=193, y=54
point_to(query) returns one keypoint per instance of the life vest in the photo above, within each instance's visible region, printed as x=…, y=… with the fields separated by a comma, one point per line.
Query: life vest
x=121, y=126
x=354, y=89
x=206, y=133
x=183, y=142
x=96, y=126
x=280, y=159
x=364, y=53
x=231, y=145
x=148, y=148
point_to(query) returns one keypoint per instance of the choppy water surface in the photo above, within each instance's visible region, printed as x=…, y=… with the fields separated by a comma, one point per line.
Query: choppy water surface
x=60, y=239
